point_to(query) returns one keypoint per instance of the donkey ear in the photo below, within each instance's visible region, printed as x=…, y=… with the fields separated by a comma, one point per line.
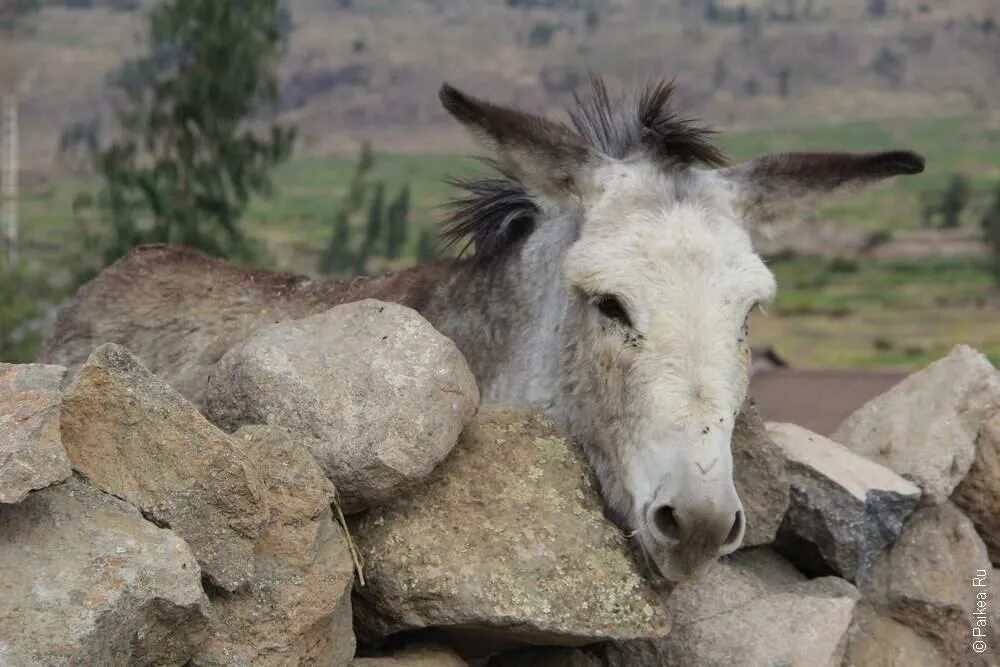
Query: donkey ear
x=771, y=186
x=546, y=156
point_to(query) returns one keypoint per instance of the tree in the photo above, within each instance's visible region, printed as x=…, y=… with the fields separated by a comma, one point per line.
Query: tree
x=373, y=230
x=337, y=257
x=991, y=233
x=190, y=152
x=426, y=249
x=953, y=201
x=397, y=223
x=386, y=227
x=24, y=294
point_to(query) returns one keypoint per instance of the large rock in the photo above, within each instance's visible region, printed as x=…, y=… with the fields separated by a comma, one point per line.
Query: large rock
x=877, y=640
x=135, y=437
x=85, y=580
x=752, y=609
x=760, y=477
x=549, y=656
x=978, y=495
x=925, y=581
x=382, y=394
x=508, y=539
x=31, y=453
x=415, y=657
x=845, y=509
x=297, y=608
x=925, y=427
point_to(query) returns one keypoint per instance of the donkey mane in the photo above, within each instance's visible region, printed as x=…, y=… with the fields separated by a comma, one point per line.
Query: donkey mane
x=492, y=214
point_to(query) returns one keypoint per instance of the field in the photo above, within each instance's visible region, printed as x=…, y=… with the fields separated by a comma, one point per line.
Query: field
x=839, y=314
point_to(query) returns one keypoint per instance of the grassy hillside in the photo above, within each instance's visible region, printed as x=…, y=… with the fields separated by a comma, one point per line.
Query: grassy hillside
x=781, y=75
x=370, y=69
x=845, y=314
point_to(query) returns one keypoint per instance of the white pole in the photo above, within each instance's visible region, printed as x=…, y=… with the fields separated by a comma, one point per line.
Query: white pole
x=9, y=167
x=10, y=174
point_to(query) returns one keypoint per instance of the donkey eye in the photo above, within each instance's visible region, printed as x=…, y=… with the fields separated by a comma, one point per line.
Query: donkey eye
x=611, y=307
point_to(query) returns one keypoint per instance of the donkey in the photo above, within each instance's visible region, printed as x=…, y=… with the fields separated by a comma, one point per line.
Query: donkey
x=610, y=283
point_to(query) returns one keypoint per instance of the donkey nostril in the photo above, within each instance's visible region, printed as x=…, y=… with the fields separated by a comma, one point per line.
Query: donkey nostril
x=666, y=522
x=734, y=532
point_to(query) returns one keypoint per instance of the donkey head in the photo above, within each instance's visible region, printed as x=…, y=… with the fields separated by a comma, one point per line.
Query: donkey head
x=660, y=280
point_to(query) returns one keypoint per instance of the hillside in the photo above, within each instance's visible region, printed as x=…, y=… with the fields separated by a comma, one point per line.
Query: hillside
x=371, y=68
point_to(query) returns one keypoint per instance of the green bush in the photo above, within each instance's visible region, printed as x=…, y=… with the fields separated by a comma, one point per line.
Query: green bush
x=25, y=295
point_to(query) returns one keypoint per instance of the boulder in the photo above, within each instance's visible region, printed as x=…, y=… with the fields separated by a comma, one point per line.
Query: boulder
x=845, y=509
x=978, y=495
x=994, y=601
x=507, y=539
x=85, y=580
x=925, y=580
x=135, y=437
x=752, y=609
x=425, y=656
x=382, y=395
x=760, y=477
x=547, y=657
x=925, y=427
x=31, y=453
x=877, y=640
x=297, y=607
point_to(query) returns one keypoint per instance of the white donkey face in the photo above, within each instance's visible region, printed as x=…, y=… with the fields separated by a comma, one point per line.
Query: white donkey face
x=661, y=279
x=666, y=278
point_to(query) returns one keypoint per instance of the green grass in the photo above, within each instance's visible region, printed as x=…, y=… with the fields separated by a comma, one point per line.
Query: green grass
x=884, y=314
x=294, y=224
x=872, y=314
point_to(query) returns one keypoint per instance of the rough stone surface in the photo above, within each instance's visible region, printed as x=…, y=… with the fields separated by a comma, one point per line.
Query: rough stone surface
x=31, y=453
x=382, y=393
x=995, y=601
x=135, y=437
x=415, y=657
x=760, y=477
x=85, y=580
x=547, y=657
x=925, y=427
x=297, y=607
x=924, y=581
x=844, y=508
x=978, y=495
x=507, y=538
x=743, y=613
x=877, y=640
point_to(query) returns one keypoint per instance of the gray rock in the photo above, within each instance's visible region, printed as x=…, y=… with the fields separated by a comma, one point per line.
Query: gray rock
x=978, y=495
x=31, y=453
x=85, y=580
x=547, y=657
x=382, y=394
x=415, y=657
x=877, y=640
x=844, y=508
x=507, y=540
x=925, y=427
x=752, y=609
x=760, y=477
x=297, y=608
x=135, y=437
x=925, y=581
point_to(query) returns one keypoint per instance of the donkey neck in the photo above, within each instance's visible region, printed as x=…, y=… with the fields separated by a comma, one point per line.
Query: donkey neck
x=507, y=317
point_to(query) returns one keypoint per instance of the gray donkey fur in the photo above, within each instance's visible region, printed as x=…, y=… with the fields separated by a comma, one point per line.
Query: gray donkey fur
x=610, y=283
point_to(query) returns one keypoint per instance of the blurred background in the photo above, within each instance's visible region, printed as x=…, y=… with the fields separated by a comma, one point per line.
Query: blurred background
x=306, y=135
